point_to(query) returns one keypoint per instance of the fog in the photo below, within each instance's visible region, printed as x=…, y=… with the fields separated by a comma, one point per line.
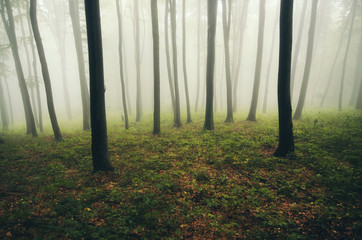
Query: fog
x=56, y=31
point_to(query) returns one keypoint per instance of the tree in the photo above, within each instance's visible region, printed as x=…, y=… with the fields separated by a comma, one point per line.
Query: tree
x=198, y=55
x=254, y=100
x=121, y=65
x=359, y=96
x=286, y=141
x=211, y=19
x=308, y=62
x=10, y=31
x=156, y=69
x=138, y=62
x=189, y=120
x=3, y=108
x=226, y=20
x=97, y=102
x=353, y=10
x=45, y=71
x=74, y=16
x=175, y=71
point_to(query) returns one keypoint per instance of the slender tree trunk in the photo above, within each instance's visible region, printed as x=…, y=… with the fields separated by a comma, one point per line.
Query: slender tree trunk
x=129, y=108
x=308, y=62
x=359, y=96
x=97, y=101
x=3, y=108
x=121, y=64
x=254, y=101
x=189, y=120
x=156, y=69
x=286, y=141
x=266, y=91
x=175, y=71
x=238, y=65
x=74, y=16
x=168, y=61
x=297, y=45
x=198, y=55
x=138, y=62
x=226, y=20
x=10, y=30
x=353, y=10
x=211, y=19
x=10, y=102
x=44, y=66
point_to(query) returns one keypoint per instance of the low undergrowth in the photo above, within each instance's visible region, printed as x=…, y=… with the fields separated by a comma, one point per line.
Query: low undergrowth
x=187, y=183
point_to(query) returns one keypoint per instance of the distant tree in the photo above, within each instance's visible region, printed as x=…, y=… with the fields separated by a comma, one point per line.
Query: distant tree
x=74, y=16
x=8, y=22
x=198, y=54
x=97, y=101
x=286, y=141
x=211, y=19
x=189, y=120
x=175, y=71
x=3, y=108
x=45, y=71
x=226, y=22
x=259, y=57
x=359, y=96
x=138, y=61
x=353, y=11
x=308, y=62
x=156, y=69
x=120, y=51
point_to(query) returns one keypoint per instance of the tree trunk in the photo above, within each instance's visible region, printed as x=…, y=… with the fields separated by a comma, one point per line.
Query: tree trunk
x=74, y=16
x=121, y=64
x=359, y=97
x=97, y=101
x=254, y=101
x=168, y=61
x=138, y=62
x=211, y=19
x=175, y=72
x=44, y=66
x=295, y=53
x=353, y=10
x=10, y=103
x=3, y=108
x=226, y=20
x=308, y=62
x=198, y=55
x=189, y=120
x=10, y=30
x=286, y=141
x=156, y=69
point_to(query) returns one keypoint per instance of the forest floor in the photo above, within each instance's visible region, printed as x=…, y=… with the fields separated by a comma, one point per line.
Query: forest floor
x=187, y=183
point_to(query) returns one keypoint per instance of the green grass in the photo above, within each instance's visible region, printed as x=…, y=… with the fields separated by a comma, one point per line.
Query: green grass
x=187, y=183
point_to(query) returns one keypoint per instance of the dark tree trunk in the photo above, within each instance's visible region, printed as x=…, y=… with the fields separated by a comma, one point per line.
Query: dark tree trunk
x=97, y=101
x=121, y=65
x=259, y=57
x=226, y=20
x=138, y=62
x=10, y=30
x=74, y=16
x=168, y=61
x=238, y=64
x=3, y=108
x=189, y=120
x=175, y=71
x=45, y=71
x=198, y=55
x=308, y=62
x=353, y=10
x=286, y=141
x=156, y=69
x=211, y=19
x=295, y=53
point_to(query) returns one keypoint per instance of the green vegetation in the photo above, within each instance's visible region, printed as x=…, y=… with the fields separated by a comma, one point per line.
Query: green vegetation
x=187, y=183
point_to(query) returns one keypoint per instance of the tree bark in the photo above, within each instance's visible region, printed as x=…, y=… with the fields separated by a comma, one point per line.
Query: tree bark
x=189, y=120
x=308, y=62
x=45, y=71
x=10, y=30
x=74, y=16
x=211, y=19
x=124, y=101
x=226, y=20
x=259, y=57
x=175, y=71
x=286, y=141
x=156, y=70
x=97, y=101
x=138, y=62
